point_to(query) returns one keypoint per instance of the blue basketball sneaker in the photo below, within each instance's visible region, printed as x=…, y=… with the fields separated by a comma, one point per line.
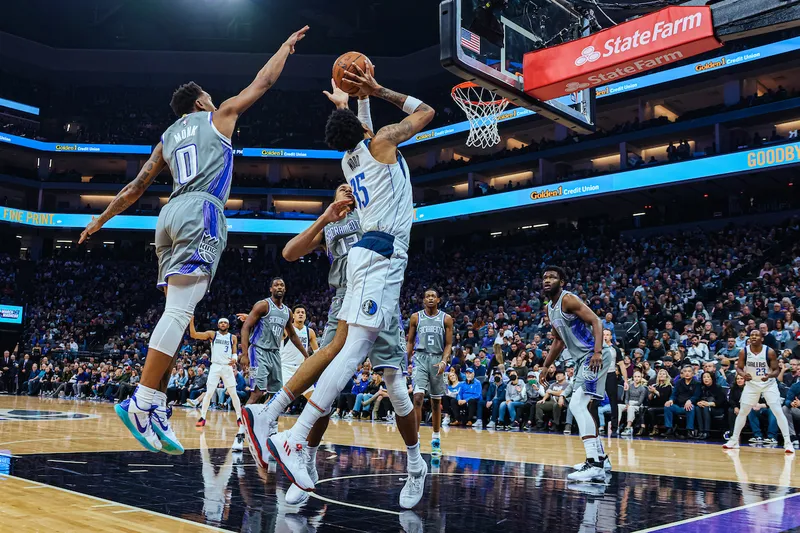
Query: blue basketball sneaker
x=160, y=421
x=137, y=421
x=436, y=447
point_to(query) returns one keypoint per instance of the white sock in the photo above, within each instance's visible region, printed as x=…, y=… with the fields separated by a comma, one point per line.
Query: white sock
x=278, y=404
x=312, y=453
x=414, y=458
x=160, y=398
x=435, y=435
x=143, y=397
x=590, y=445
x=601, y=452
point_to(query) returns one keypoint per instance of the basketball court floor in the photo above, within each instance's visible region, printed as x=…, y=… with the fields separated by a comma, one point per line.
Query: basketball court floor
x=69, y=466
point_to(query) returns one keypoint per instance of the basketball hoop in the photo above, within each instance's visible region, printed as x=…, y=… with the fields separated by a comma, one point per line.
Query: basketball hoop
x=482, y=107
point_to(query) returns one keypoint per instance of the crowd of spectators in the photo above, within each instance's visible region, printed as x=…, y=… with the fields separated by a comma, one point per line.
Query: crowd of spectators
x=685, y=299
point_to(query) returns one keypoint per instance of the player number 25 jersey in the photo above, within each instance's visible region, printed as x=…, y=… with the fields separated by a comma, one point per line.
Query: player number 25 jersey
x=382, y=191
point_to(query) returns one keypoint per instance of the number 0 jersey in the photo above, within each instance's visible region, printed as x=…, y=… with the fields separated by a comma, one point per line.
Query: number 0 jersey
x=199, y=156
x=383, y=193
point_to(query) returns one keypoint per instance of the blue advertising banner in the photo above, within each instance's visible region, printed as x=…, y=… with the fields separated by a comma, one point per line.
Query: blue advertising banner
x=10, y=314
x=649, y=80
x=11, y=104
x=756, y=159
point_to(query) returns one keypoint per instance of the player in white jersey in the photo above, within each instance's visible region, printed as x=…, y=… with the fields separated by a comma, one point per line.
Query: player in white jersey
x=758, y=364
x=379, y=177
x=224, y=354
x=291, y=358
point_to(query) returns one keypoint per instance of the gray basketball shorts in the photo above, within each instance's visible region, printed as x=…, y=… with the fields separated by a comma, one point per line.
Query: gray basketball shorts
x=191, y=234
x=269, y=372
x=426, y=375
x=594, y=383
x=389, y=350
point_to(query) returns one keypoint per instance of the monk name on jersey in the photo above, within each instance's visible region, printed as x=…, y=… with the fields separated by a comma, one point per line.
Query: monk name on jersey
x=184, y=134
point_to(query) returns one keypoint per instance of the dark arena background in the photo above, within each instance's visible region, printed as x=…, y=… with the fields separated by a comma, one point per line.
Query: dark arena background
x=666, y=190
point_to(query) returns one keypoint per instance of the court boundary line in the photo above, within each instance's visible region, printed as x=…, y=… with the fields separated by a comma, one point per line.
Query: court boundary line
x=718, y=513
x=40, y=485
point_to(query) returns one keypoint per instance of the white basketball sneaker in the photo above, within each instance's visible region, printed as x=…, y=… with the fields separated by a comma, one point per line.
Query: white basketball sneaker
x=297, y=496
x=290, y=455
x=588, y=472
x=788, y=447
x=254, y=423
x=414, y=487
x=606, y=465
x=731, y=445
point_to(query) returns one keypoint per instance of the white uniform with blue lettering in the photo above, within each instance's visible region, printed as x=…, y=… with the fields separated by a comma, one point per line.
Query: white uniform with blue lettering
x=291, y=358
x=376, y=264
x=757, y=365
x=221, y=357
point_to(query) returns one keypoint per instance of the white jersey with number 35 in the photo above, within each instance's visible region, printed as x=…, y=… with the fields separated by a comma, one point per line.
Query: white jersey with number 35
x=382, y=192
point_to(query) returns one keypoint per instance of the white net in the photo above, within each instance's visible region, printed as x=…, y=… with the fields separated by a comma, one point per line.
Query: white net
x=482, y=107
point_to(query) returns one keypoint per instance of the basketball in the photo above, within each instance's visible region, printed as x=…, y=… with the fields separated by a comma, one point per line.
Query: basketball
x=346, y=62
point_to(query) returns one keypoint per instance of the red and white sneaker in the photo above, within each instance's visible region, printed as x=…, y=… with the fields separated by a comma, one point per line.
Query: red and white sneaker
x=731, y=445
x=256, y=427
x=788, y=448
x=290, y=455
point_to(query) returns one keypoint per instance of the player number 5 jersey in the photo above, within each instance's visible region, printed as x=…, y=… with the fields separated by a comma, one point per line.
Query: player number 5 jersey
x=382, y=192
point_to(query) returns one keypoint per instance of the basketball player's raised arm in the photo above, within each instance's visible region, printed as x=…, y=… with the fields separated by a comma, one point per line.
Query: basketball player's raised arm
x=225, y=117
x=310, y=238
x=129, y=194
x=412, y=335
x=389, y=137
x=292, y=335
x=573, y=305
x=199, y=335
x=260, y=309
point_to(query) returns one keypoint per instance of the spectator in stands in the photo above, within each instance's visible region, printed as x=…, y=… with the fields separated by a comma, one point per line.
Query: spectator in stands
x=32, y=385
x=450, y=398
x=712, y=403
x=495, y=396
x=685, y=394
x=364, y=389
x=516, y=395
x=533, y=393
x=635, y=396
x=698, y=350
x=791, y=408
x=657, y=395
x=781, y=335
x=553, y=403
x=469, y=396
x=759, y=414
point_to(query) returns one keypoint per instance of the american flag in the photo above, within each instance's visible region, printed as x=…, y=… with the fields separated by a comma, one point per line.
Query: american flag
x=470, y=40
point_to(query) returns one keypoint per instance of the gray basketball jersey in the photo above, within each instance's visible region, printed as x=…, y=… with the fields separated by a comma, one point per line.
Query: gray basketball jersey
x=339, y=238
x=577, y=336
x=430, y=334
x=199, y=156
x=268, y=332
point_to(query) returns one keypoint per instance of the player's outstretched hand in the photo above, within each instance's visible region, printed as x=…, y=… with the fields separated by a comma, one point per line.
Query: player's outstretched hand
x=337, y=211
x=337, y=96
x=91, y=228
x=367, y=86
x=241, y=316
x=296, y=36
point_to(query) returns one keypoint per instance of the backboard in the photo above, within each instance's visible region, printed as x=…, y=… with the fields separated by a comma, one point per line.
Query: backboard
x=484, y=41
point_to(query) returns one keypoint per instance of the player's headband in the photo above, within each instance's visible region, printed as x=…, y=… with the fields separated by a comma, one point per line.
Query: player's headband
x=221, y=320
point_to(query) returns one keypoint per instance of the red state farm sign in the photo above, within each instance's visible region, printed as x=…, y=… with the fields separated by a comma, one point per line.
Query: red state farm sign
x=649, y=42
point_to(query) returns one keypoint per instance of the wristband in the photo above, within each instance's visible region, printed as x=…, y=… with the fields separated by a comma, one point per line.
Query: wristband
x=364, y=114
x=411, y=104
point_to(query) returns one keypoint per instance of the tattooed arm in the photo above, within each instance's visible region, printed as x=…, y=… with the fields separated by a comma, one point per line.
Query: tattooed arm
x=129, y=194
x=384, y=144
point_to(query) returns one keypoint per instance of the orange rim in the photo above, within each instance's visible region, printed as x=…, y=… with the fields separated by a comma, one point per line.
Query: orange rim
x=471, y=85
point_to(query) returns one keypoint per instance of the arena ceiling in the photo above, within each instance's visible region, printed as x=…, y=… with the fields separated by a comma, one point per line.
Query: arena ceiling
x=385, y=27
